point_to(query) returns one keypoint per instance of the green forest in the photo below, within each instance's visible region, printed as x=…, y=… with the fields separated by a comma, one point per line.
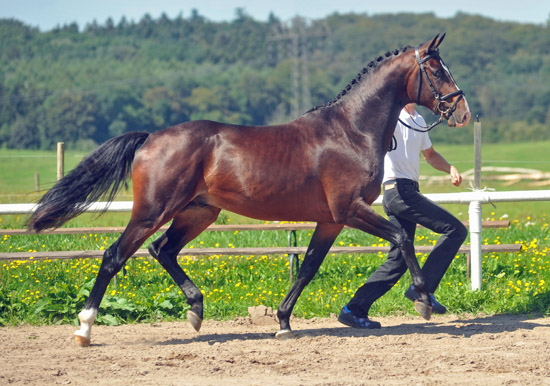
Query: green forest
x=84, y=84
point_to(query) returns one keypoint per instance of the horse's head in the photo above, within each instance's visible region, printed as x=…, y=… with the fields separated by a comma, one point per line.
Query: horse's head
x=432, y=85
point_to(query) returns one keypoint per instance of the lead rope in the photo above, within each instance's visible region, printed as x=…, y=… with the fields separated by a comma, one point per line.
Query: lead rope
x=393, y=144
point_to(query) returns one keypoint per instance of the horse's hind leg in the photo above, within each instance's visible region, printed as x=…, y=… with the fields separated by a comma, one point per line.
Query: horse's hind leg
x=187, y=225
x=114, y=259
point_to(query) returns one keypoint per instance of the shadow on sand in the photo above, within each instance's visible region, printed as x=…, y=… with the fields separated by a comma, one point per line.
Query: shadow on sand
x=466, y=327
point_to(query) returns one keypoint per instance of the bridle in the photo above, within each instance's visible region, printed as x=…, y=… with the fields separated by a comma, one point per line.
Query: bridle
x=441, y=100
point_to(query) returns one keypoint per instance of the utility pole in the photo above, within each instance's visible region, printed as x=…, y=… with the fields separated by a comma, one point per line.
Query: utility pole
x=296, y=40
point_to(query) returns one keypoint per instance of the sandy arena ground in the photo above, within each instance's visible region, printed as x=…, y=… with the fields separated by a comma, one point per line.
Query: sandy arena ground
x=456, y=350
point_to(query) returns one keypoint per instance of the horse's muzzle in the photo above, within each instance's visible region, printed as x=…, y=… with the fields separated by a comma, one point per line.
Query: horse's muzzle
x=459, y=116
x=453, y=121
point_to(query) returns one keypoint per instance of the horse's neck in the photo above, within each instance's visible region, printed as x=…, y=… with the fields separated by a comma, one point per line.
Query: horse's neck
x=373, y=106
x=370, y=107
x=378, y=100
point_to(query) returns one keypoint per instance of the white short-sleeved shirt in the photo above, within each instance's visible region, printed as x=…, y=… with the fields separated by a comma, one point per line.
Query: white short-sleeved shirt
x=404, y=160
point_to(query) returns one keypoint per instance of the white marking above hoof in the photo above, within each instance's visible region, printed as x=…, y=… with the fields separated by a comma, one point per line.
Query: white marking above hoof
x=285, y=334
x=194, y=319
x=87, y=318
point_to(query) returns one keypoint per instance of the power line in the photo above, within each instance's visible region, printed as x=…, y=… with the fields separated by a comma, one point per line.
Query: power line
x=296, y=40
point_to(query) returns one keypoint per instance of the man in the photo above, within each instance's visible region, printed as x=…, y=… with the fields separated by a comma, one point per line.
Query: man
x=406, y=207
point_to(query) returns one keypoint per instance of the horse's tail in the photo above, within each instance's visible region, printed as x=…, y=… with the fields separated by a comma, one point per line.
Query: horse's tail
x=100, y=175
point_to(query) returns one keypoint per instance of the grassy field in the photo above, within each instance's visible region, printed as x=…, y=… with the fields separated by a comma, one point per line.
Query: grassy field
x=40, y=292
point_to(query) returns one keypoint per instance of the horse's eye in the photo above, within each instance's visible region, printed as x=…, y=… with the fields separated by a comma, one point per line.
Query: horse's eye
x=437, y=73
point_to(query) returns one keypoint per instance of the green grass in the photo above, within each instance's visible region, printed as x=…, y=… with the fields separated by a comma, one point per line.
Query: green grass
x=42, y=292
x=18, y=168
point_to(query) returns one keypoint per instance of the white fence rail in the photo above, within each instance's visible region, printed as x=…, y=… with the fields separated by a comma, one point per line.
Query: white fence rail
x=481, y=196
x=474, y=199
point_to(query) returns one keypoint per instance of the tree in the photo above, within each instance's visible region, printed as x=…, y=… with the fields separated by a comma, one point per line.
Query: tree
x=70, y=117
x=24, y=134
x=105, y=80
x=164, y=107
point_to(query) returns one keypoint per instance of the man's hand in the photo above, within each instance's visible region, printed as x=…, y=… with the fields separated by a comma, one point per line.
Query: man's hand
x=437, y=161
x=456, y=178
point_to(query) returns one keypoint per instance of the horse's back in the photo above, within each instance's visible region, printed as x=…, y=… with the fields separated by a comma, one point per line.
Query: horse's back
x=244, y=169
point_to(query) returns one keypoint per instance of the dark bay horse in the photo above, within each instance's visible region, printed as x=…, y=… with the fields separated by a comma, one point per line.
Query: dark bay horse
x=326, y=166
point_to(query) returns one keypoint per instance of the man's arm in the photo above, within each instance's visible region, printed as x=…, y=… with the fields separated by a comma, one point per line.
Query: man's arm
x=437, y=161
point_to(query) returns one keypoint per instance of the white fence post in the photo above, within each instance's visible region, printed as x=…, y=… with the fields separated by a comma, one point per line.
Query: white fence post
x=474, y=213
x=475, y=243
x=60, y=160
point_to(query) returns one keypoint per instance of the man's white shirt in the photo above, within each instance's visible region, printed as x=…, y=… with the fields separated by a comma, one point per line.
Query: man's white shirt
x=404, y=160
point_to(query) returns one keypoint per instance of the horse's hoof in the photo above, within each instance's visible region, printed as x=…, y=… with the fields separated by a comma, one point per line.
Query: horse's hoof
x=423, y=309
x=194, y=319
x=284, y=335
x=81, y=341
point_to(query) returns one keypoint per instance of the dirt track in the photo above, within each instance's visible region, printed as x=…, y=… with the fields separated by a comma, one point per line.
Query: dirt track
x=492, y=350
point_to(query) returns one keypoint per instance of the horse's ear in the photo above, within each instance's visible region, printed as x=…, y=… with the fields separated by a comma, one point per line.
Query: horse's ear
x=440, y=39
x=433, y=43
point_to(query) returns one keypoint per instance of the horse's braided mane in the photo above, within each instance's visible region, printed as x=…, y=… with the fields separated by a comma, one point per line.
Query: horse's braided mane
x=364, y=73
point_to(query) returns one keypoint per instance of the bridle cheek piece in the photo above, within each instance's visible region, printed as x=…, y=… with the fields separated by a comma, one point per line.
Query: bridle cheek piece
x=441, y=100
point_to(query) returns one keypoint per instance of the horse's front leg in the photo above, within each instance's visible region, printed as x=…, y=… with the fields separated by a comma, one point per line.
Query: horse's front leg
x=320, y=243
x=367, y=220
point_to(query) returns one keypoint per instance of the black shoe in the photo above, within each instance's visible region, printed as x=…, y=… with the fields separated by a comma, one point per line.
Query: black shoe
x=347, y=318
x=437, y=308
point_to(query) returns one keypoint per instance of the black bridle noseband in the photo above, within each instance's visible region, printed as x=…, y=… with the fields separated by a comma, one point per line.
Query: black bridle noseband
x=441, y=100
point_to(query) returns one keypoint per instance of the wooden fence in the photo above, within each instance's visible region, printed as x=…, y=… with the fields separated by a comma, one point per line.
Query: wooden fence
x=291, y=249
